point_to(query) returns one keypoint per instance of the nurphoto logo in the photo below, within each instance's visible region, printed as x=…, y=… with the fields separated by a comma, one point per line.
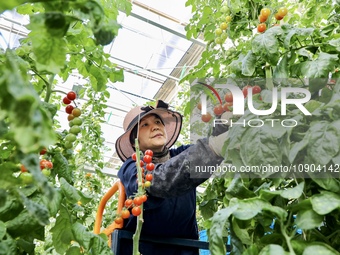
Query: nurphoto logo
x=284, y=97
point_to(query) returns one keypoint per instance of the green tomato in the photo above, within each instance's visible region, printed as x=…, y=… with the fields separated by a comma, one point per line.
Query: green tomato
x=218, y=31
x=71, y=137
x=75, y=129
x=71, y=123
x=224, y=9
x=224, y=36
x=68, y=145
x=46, y=172
x=218, y=40
x=77, y=121
x=26, y=177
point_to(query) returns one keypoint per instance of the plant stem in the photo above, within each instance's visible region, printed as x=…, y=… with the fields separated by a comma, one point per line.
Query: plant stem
x=49, y=88
x=269, y=80
x=140, y=220
x=287, y=238
x=58, y=91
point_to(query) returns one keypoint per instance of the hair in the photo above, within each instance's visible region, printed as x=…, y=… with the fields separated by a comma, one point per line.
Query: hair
x=133, y=134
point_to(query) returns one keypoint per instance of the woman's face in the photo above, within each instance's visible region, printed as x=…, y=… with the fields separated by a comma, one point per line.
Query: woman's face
x=152, y=134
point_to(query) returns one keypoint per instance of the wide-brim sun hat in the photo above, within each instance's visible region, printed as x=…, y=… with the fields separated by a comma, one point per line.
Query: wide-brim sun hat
x=172, y=122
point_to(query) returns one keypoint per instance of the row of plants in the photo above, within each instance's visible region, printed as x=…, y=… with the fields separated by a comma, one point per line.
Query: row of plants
x=262, y=213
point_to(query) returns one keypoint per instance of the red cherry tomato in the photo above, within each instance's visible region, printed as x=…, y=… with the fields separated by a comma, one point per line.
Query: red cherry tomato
x=218, y=109
x=206, y=117
x=66, y=100
x=256, y=89
x=228, y=97
x=69, y=109
x=147, y=159
x=136, y=211
x=261, y=27
x=44, y=163
x=245, y=90
x=148, y=177
x=149, y=152
x=125, y=214
x=137, y=201
x=71, y=95
x=150, y=166
x=128, y=202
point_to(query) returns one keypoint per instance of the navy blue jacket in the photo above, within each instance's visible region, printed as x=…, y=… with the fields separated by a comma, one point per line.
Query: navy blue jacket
x=170, y=210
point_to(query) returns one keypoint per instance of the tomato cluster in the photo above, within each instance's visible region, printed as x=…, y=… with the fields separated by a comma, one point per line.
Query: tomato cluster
x=224, y=20
x=74, y=119
x=219, y=109
x=147, y=167
x=132, y=205
x=45, y=166
x=265, y=17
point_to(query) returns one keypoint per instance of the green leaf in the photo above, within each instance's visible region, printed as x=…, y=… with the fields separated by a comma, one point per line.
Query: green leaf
x=36, y=210
x=320, y=67
x=98, y=78
x=249, y=208
x=266, y=46
x=62, y=234
x=308, y=219
x=9, y=5
x=237, y=189
x=3, y=230
x=22, y=224
x=281, y=70
x=81, y=235
x=99, y=245
x=74, y=250
x=327, y=182
x=268, y=149
x=8, y=246
x=50, y=108
x=295, y=32
x=323, y=142
x=242, y=234
x=69, y=191
x=49, y=51
x=325, y=202
x=293, y=193
x=62, y=168
x=318, y=249
x=217, y=229
x=335, y=43
x=273, y=249
x=249, y=64
x=54, y=203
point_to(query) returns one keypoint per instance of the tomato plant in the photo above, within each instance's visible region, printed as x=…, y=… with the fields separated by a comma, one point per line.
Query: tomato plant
x=54, y=202
x=262, y=214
